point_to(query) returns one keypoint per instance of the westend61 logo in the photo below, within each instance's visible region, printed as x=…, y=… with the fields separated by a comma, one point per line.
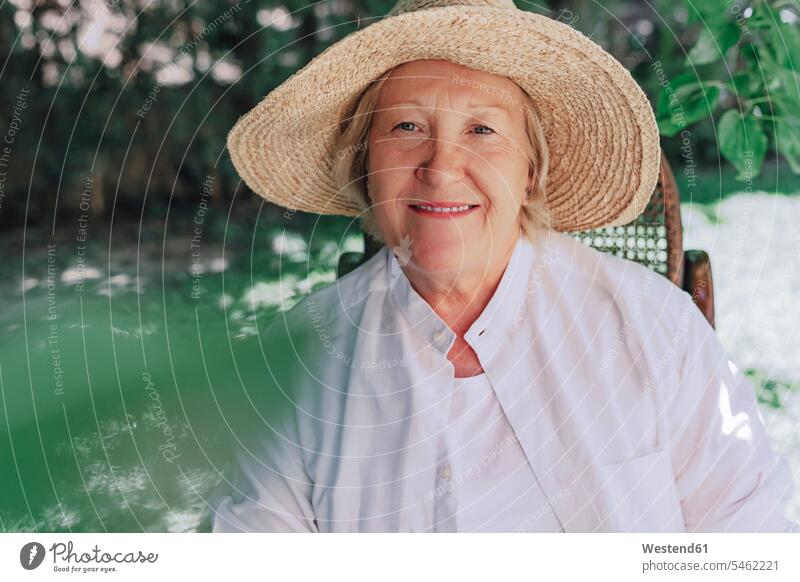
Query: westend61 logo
x=65, y=559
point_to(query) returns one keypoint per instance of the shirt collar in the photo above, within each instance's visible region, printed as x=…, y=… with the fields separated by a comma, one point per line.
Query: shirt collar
x=503, y=308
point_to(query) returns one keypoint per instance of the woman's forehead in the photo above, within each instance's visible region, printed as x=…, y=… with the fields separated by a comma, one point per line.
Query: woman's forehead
x=421, y=83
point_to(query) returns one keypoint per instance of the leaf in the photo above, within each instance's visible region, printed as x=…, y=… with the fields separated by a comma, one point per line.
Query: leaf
x=683, y=102
x=785, y=41
x=709, y=12
x=712, y=44
x=787, y=136
x=743, y=143
x=765, y=63
x=746, y=85
x=785, y=90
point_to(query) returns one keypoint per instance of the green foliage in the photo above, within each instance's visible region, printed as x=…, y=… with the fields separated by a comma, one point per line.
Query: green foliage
x=743, y=142
x=740, y=69
x=683, y=102
x=143, y=105
x=770, y=392
x=710, y=48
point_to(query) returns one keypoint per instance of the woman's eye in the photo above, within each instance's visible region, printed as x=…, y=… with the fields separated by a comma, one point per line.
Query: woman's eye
x=410, y=126
x=406, y=125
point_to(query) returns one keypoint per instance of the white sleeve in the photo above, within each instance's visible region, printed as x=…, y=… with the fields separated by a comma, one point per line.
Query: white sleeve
x=728, y=477
x=271, y=490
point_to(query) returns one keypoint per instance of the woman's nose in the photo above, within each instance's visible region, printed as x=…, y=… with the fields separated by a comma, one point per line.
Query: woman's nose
x=443, y=163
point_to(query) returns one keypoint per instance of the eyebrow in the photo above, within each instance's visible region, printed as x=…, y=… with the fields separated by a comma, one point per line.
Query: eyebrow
x=492, y=108
x=474, y=109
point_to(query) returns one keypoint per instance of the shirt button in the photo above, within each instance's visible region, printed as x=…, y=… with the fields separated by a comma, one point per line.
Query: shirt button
x=444, y=473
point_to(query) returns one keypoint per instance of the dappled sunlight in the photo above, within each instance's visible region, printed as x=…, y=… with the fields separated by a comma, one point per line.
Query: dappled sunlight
x=277, y=18
x=290, y=246
x=100, y=31
x=272, y=294
x=72, y=275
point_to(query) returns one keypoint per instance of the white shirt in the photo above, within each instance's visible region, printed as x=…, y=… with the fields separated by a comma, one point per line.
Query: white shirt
x=493, y=486
x=618, y=391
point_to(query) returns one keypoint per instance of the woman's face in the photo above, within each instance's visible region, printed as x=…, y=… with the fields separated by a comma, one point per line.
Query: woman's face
x=447, y=168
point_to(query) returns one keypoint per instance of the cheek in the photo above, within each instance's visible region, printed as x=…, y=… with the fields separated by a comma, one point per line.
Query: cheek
x=387, y=154
x=389, y=221
x=503, y=176
x=386, y=192
x=505, y=200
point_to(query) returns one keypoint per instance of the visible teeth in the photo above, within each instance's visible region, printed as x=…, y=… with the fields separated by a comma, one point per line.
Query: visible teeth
x=440, y=209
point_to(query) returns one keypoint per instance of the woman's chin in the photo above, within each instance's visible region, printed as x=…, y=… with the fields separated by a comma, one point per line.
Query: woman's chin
x=440, y=255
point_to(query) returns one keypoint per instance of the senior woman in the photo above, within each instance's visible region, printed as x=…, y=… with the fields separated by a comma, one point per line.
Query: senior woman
x=483, y=371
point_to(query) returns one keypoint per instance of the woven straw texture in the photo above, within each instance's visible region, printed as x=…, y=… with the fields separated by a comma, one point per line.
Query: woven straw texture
x=600, y=128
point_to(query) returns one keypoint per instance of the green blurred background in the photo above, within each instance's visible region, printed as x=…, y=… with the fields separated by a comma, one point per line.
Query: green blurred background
x=139, y=269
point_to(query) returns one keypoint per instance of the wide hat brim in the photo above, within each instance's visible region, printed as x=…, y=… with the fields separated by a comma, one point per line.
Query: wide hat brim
x=600, y=128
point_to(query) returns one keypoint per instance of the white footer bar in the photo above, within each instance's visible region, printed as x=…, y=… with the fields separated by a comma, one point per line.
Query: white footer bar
x=401, y=557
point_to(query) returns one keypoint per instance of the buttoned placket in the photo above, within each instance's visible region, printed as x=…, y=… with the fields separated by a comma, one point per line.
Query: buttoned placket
x=445, y=499
x=445, y=506
x=489, y=338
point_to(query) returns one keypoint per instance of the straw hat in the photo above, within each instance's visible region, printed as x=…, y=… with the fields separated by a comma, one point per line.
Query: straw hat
x=600, y=128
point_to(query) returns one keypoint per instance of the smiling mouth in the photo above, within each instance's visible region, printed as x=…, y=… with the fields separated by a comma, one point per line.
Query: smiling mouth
x=443, y=210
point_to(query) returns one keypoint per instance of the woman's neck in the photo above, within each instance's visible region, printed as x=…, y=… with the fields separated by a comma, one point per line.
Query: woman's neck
x=459, y=300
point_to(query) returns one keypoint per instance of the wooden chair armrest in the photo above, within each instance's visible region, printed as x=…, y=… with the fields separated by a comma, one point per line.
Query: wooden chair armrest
x=698, y=282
